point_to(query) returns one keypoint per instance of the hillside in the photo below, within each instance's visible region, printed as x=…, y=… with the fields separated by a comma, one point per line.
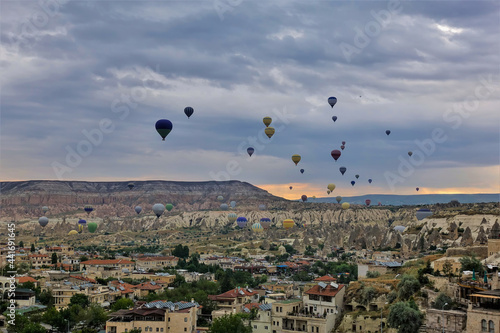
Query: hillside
x=417, y=199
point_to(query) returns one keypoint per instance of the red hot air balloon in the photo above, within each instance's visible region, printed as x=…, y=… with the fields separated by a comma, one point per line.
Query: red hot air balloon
x=343, y=143
x=379, y=203
x=368, y=202
x=304, y=198
x=335, y=154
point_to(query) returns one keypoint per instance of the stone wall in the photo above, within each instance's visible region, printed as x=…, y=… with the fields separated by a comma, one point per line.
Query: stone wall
x=479, y=251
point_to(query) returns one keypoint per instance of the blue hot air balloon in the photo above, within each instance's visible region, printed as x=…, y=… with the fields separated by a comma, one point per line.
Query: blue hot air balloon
x=301, y=170
x=188, y=111
x=370, y=181
x=163, y=127
x=241, y=221
x=387, y=132
x=233, y=204
x=353, y=182
x=334, y=118
x=332, y=101
x=138, y=209
x=250, y=151
x=89, y=209
x=342, y=170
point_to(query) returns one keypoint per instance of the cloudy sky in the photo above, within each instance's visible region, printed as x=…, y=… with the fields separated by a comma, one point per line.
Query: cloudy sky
x=84, y=82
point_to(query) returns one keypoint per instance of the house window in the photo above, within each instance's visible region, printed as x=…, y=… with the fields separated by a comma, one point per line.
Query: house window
x=484, y=327
x=185, y=320
x=265, y=327
x=255, y=326
x=491, y=326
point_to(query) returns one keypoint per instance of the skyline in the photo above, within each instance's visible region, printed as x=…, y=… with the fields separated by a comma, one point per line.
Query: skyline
x=91, y=80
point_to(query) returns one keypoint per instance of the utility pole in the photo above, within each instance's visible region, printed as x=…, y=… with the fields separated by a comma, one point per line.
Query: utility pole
x=442, y=315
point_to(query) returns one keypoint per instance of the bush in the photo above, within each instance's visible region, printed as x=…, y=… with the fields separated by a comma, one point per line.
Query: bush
x=372, y=275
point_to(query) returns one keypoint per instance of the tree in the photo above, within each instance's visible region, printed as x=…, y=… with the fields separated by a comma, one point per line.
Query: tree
x=181, y=251
x=372, y=274
x=122, y=303
x=83, y=258
x=79, y=299
x=46, y=298
x=54, y=258
x=471, y=263
x=441, y=300
x=407, y=287
x=21, y=244
x=404, y=317
x=32, y=248
x=448, y=269
x=367, y=295
x=230, y=323
x=391, y=297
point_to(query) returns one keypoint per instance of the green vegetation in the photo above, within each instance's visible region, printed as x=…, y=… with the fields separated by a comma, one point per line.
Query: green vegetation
x=408, y=286
x=405, y=317
x=231, y=323
x=471, y=263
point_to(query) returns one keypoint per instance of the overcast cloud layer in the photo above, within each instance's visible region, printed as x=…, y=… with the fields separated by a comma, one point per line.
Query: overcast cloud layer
x=111, y=69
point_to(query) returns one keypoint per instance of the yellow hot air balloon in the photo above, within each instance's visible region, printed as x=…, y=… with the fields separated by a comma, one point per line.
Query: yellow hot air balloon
x=296, y=159
x=346, y=205
x=331, y=187
x=269, y=132
x=72, y=232
x=288, y=223
x=257, y=227
x=267, y=121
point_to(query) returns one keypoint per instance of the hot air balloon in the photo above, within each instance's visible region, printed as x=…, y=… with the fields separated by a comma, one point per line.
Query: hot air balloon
x=265, y=222
x=288, y=223
x=138, y=209
x=232, y=217
x=188, y=111
x=291, y=187
x=343, y=143
x=241, y=221
x=256, y=227
x=296, y=159
x=335, y=154
x=233, y=204
x=131, y=185
x=410, y=153
x=269, y=132
x=346, y=205
x=334, y=118
x=304, y=198
x=169, y=207
x=342, y=147
x=92, y=226
x=314, y=197
x=72, y=232
x=267, y=121
x=43, y=221
x=353, y=182
x=368, y=202
x=80, y=228
x=338, y=198
x=45, y=209
x=357, y=176
x=82, y=222
x=417, y=189
x=331, y=187
x=387, y=132
x=379, y=203
x=250, y=151
x=163, y=127
x=262, y=207
x=342, y=170
x=224, y=206
x=332, y=101
x=328, y=192
x=220, y=198
x=89, y=209
x=370, y=180
x=158, y=209
x=302, y=170
x=422, y=213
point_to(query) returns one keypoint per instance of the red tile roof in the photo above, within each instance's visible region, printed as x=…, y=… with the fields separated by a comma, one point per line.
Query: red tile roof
x=23, y=279
x=81, y=278
x=107, y=262
x=328, y=291
x=250, y=306
x=147, y=286
x=325, y=278
x=234, y=293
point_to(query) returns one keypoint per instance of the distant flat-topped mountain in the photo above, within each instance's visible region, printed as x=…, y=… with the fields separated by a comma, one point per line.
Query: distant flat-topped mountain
x=418, y=199
x=25, y=198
